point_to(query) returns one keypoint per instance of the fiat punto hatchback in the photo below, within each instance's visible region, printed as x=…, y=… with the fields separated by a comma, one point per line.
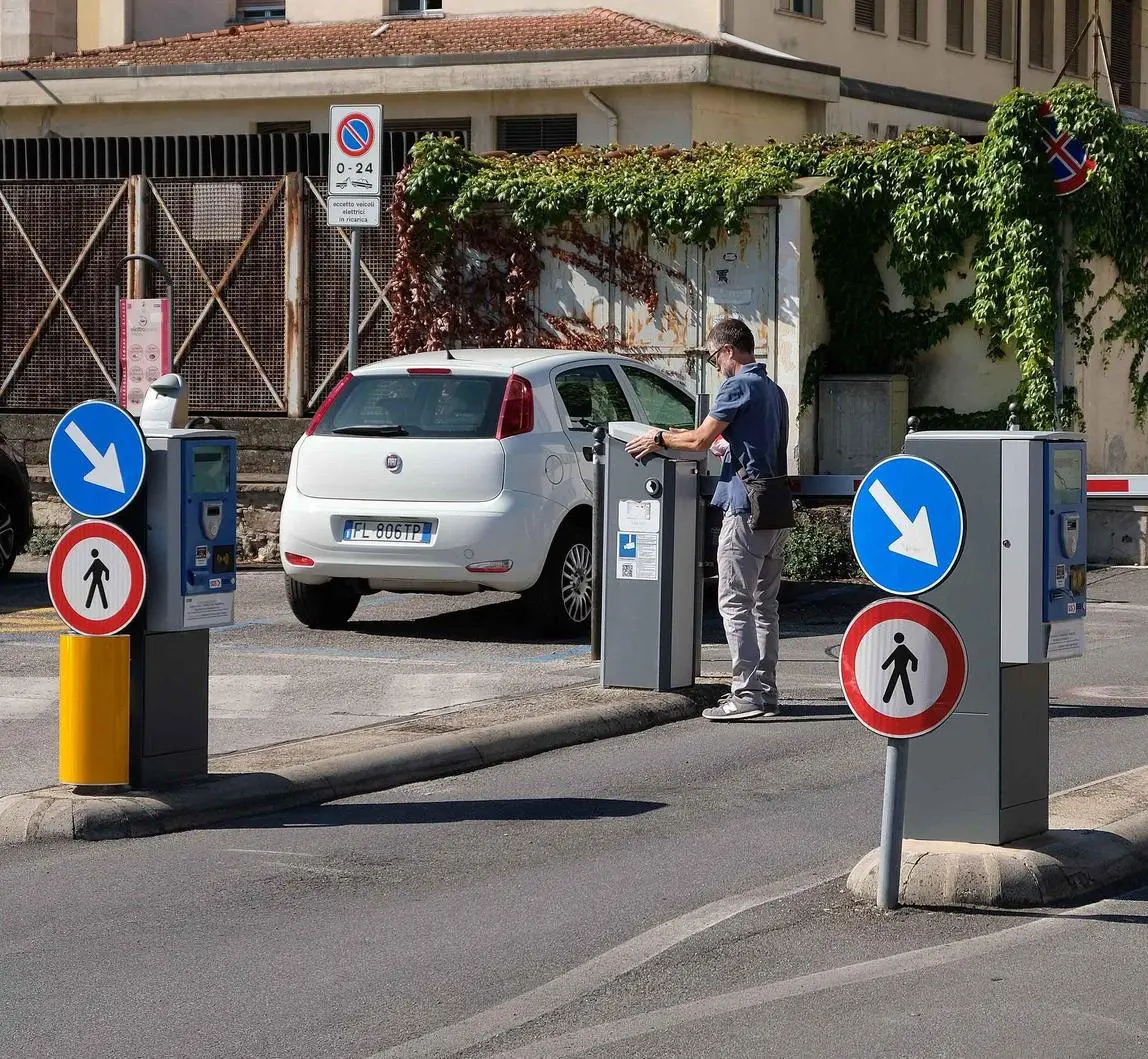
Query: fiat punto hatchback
x=460, y=472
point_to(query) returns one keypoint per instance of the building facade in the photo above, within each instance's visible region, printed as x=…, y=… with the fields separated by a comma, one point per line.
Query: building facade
x=902, y=63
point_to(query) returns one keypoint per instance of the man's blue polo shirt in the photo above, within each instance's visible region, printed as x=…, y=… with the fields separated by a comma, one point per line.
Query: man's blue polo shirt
x=756, y=415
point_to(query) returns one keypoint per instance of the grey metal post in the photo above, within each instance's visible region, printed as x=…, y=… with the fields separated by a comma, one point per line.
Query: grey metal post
x=597, y=543
x=353, y=307
x=892, y=824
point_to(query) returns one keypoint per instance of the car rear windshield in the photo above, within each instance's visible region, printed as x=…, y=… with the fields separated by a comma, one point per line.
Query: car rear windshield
x=417, y=406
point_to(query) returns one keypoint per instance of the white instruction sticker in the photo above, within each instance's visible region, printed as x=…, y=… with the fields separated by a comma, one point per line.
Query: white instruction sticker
x=638, y=556
x=639, y=516
x=208, y=612
x=1065, y=639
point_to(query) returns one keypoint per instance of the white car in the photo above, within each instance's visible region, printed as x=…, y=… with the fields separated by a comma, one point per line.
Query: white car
x=460, y=472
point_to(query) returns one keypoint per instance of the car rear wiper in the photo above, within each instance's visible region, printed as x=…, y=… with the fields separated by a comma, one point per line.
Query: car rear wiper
x=370, y=430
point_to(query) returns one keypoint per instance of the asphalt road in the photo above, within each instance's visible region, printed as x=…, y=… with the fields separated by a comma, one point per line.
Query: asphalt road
x=676, y=893
x=273, y=680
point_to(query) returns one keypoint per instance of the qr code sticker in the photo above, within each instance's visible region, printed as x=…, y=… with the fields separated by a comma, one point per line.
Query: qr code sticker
x=627, y=570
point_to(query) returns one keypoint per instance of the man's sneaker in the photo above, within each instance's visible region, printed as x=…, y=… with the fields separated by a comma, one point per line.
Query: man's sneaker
x=731, y=708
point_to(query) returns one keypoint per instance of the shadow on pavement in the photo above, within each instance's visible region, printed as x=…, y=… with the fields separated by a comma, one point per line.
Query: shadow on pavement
x=1055, y=711
x=19, y=591
x=504, y=622
x=447, y=812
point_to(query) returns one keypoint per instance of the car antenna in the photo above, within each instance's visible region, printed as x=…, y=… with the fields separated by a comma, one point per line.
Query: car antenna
x=449, y=355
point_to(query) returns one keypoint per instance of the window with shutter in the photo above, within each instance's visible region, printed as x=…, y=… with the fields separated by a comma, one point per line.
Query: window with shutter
x=959, y=24
x=1120, y=49
x=912, y=20
x=865, y=14
x=1040, y=33
x=1077, y=61
x=999, y=28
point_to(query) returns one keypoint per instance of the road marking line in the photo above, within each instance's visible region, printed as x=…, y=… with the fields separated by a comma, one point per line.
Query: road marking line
x=578, y=1042
x=603, y=969
x=272, y=852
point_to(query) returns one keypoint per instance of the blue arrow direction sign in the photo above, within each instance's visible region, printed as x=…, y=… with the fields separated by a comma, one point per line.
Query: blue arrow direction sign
x=97, y=459
x=908, y=525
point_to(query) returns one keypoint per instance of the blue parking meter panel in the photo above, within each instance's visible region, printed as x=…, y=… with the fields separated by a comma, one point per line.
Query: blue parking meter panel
x=97, y=459
x=908, y=525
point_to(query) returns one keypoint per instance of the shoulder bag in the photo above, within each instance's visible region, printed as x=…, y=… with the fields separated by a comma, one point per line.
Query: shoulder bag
x=770, y=501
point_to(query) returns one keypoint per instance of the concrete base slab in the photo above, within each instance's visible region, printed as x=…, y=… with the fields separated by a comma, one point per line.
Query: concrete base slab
x=1098, y=838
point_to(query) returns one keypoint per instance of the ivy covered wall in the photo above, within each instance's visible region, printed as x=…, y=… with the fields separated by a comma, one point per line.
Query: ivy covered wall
x=922, y=244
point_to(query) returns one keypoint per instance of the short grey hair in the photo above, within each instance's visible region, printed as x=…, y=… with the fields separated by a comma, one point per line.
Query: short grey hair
x=731, y=332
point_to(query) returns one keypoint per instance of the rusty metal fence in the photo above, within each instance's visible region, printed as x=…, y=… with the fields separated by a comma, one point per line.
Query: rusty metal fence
x=260, y=295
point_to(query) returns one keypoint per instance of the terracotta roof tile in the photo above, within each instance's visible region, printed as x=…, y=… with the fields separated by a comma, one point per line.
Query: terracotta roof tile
x=282, y=41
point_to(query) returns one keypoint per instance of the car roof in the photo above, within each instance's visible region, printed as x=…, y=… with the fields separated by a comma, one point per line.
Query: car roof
x=507, y=360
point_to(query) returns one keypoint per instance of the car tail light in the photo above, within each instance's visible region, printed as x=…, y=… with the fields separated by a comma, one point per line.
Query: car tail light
x=517, y=413
x=298, y=560
x=428, y=371
x=325, y=407
x=495, y=566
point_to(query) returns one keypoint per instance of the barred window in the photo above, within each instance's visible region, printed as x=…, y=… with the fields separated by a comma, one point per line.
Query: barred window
x=544, y=132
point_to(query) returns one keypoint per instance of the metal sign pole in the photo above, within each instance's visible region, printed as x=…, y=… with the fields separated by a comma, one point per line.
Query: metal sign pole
x=353, y=308
x=598, y=543
x=892, y=824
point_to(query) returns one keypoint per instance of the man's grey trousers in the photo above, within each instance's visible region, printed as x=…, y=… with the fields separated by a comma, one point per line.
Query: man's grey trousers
x=749, y=575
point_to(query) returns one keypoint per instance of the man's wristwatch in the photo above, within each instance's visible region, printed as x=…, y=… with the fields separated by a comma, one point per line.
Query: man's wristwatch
x=660, y=439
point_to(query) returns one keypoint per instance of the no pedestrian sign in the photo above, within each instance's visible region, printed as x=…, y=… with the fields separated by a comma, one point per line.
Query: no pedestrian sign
x=903, y=668
x=97, y=579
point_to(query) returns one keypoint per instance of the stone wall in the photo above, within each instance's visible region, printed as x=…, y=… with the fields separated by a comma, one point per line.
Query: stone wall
x=264, y=458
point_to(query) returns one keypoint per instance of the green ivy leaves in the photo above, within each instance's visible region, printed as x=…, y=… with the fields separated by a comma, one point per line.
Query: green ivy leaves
x=927, y=198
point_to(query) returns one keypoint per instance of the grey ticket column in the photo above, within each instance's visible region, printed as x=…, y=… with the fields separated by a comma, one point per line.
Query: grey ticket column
x=1016, y=596
x=649, y=566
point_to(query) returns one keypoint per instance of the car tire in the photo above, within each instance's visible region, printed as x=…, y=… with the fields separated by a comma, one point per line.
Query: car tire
x=560, y=600
x=9, y=534
x=328, y=606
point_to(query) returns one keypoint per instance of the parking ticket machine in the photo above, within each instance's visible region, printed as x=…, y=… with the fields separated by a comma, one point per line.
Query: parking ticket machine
x=1017, y=597
x=651, y=584
x=191, y=529
x=191, y=511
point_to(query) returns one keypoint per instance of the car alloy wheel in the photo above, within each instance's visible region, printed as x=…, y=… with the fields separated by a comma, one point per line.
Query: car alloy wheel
x=577, y=573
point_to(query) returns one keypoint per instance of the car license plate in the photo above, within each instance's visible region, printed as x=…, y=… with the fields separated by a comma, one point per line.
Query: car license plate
x=387, y=532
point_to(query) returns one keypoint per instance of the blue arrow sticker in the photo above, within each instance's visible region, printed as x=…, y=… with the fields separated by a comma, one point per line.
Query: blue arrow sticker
x=97, y=459
x=908, y=525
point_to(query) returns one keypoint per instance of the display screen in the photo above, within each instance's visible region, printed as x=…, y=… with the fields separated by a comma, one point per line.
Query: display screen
x=1067, y=476
x=210, y=469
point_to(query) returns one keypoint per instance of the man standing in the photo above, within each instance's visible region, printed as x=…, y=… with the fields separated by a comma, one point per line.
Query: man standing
x=751, y=413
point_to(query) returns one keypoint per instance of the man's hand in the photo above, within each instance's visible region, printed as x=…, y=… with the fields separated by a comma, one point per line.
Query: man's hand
x=643, y=445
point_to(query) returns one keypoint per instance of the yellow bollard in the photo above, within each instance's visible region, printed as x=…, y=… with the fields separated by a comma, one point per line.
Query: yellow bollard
x=95, y=707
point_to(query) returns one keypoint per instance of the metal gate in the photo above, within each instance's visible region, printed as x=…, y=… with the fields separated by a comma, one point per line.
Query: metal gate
x=61, y=245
